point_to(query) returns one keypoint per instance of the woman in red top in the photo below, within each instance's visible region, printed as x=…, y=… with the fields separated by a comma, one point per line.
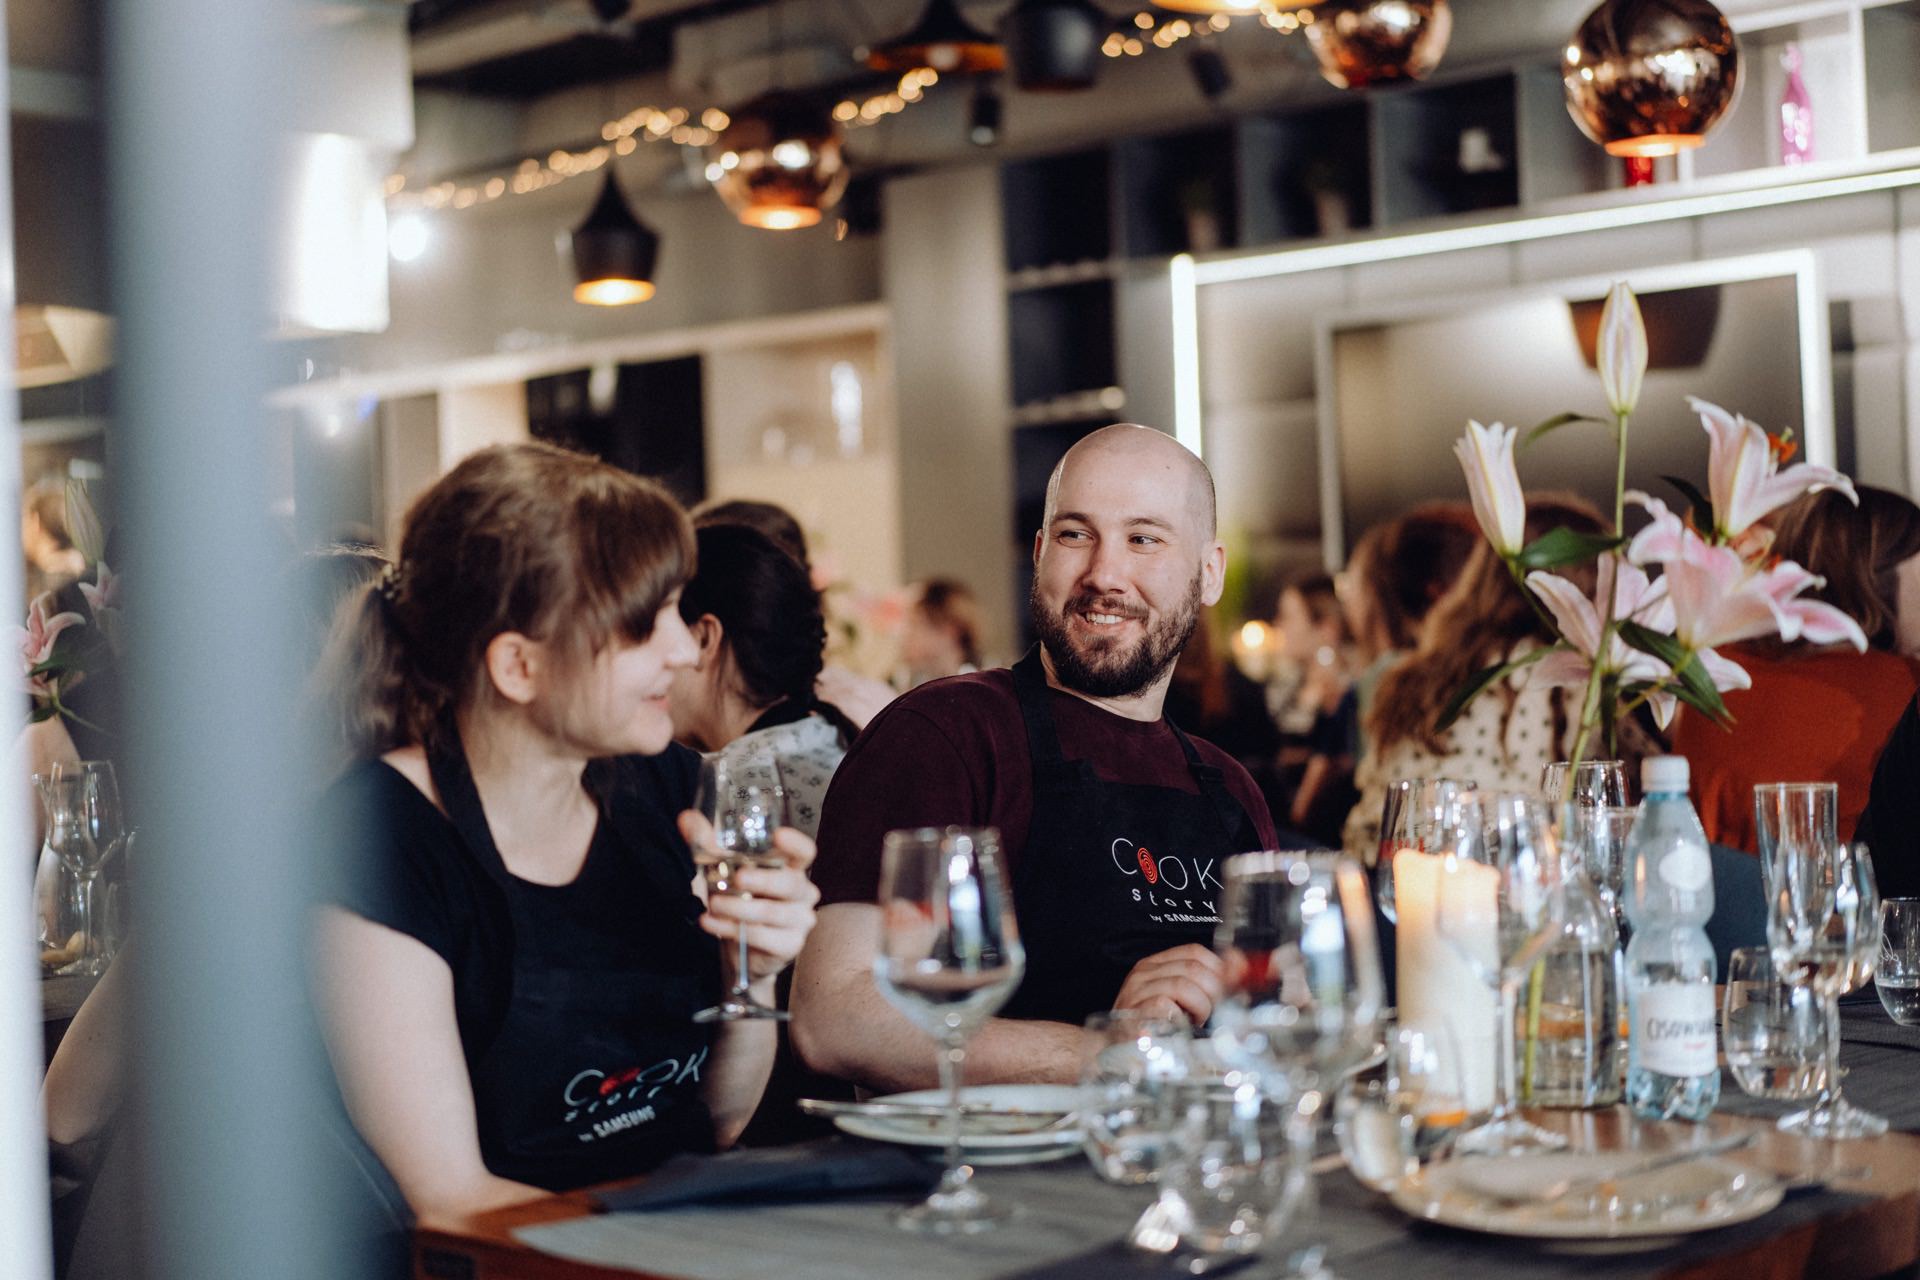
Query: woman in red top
x=1819, y=714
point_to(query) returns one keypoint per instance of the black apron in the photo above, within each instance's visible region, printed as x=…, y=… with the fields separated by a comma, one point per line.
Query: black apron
x=594, y=1072
x=1111, y=872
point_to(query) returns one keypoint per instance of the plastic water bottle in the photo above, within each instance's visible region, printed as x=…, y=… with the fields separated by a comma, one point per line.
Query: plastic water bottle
x=1672, y=1071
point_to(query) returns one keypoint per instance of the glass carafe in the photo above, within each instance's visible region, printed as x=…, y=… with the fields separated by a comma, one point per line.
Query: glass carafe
x=69, y=869
x=1568, y=1017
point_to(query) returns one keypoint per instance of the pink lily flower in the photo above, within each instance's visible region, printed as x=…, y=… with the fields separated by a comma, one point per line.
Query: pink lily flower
x=1635, y=598
x=103, y=594
x=1622, y=349
x=36, y=640
x=1719, y=598
x=1499, y=504
x=1663, y=539
x=1742, y=479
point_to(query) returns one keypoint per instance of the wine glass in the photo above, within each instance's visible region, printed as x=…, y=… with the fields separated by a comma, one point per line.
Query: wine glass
x=1793, y=815
x=1391, y=1117
x=1823, y=929
x=70, y=838
x=1596, y=783
x=1897, y=979
x=1775, y=1035
x=1303, y=985
x=949, y=956
x=1498, y=913
x=105, y=823
x=1416, y=810
x=1594, y=838
x=746, y=804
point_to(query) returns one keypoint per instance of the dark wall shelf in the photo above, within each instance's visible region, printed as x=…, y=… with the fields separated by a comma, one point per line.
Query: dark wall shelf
x=1057, y=209
x=1305, y=174
x=1177, y=194
x=1448, y=149
x=1061, y=340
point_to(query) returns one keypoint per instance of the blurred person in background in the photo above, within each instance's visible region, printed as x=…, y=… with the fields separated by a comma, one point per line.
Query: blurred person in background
x=518, y=938
x=1397, y=572
x=857, y=697
x=761, y=640
x=1310, y=705
x=1212, y=698
x=942, y=632
x=1508, y=734
x=52, y=559
x=1818, y=712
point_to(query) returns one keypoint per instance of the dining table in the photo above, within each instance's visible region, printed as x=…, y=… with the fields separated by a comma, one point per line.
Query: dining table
x=1852, y=1210
x=61, y=996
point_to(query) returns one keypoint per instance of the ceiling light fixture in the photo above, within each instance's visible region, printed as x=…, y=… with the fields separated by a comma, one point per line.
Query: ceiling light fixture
x=983, y=116
x=613, y=252
x=1053, y=46
x=1651, y=77
x=778, y=164
x=1367, y=42
x=943, y=40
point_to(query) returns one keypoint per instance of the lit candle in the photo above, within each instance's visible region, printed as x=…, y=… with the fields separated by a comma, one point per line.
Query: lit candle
x=1439, y=991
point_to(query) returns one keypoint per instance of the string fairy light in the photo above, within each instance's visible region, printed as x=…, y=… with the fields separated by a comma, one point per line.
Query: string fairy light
x=623, y=135
x=1147, y=30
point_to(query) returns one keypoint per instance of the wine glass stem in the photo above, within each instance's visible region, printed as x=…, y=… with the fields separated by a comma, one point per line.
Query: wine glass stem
x=953, y=1056
x=1504, y=1051
x=1830, y=1007
x=89, y=921
x=742, y=978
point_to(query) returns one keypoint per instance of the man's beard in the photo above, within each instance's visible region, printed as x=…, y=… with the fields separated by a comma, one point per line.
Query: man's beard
x=1104, y=669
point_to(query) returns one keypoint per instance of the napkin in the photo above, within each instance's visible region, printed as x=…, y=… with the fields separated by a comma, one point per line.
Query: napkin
x=823, y=1169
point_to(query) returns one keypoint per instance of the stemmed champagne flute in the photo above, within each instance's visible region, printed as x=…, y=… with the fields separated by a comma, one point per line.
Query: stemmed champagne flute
x=1824, y=930
x=746, y=804
x=949, y=957
x=1793, y=815
x=1415, y=813
x=1496, y=910
x=107, y=827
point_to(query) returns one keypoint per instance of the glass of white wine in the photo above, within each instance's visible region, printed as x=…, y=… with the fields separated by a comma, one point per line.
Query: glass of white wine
x=949, y=956
x=746, y=804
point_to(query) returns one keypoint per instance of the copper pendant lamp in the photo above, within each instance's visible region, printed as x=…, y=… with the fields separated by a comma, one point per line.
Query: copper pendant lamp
x=1651, y=77
x=613, y=252
x=1208, y=8
x=1367, y=42
x=778, y=164
x=943, y=40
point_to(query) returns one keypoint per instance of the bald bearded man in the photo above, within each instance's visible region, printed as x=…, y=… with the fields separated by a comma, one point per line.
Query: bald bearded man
x=1114, y=824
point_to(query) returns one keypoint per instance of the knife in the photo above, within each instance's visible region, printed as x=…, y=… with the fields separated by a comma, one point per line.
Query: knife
x=929, y=1110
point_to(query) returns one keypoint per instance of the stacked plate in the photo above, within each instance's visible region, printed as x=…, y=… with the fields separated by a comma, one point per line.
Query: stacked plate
x=1001, y=1124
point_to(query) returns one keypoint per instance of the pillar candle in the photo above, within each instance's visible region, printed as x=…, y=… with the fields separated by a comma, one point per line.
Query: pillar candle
x=1439, y=990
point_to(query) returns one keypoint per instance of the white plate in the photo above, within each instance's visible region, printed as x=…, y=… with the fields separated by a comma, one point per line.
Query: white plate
x=931, y=1131
x=1697, y=1196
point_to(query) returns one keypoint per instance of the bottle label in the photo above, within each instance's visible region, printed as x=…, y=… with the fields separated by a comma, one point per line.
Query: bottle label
x=1673, y=1029
x=1687, y=869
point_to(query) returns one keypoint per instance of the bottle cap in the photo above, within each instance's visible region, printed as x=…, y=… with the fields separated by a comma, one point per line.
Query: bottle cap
x=1664, y=774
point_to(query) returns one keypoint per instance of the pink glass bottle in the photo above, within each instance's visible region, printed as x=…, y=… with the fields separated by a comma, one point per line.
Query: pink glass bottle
x=1796, y=112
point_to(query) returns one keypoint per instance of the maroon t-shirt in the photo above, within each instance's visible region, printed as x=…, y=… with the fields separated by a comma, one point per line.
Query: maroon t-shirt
x=954, y=752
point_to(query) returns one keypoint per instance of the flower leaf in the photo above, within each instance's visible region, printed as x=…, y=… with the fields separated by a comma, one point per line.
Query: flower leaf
x=1482, y=680
x=1702, y=507
x=1554, y=423
x=1695, y=687
x=1563, y=546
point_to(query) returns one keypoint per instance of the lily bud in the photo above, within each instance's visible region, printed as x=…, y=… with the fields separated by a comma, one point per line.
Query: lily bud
x=1622, y=349
x=1486, y=456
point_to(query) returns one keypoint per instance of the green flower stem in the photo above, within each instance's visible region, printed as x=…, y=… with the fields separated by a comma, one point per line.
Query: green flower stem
x=1620, y=471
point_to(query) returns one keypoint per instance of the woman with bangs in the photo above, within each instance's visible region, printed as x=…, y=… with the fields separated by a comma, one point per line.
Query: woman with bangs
x=509, y=965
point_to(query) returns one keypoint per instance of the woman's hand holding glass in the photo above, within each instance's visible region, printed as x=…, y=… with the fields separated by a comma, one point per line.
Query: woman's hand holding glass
x=775, y=904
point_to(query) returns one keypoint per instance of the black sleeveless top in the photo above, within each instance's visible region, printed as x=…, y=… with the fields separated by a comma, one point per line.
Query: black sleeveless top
x=574, y=1002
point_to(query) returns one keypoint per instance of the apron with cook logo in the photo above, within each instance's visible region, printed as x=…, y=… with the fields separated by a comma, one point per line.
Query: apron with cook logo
x=1111, y=872
x=595, y=1070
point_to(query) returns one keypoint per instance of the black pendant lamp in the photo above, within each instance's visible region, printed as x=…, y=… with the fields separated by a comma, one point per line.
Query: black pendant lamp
x=943, y=40
x=1053, y=46
x=613, y=252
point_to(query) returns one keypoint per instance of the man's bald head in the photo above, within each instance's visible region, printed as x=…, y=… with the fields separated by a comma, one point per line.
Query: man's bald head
x=1150, y=450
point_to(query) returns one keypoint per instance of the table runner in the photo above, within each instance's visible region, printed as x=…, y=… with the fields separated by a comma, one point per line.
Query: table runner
x=1071, y=1219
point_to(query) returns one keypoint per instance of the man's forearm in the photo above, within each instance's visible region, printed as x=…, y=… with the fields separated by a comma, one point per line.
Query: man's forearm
x=858, y=1036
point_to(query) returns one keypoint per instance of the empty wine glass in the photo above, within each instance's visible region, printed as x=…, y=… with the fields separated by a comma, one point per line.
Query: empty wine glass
x=1794, y=815
x=1131, y=1065
x=1823, y=929
x=1594, y=838
x=949, y=957
x=1897, y=979
x=1304, y=991
x=1596, y=783
x=1774, y=1035
x=105, y=823
x=746, y=804
x=1395, y=1115
x=1416, y=810
x=1497, y=912
x=65, y=792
